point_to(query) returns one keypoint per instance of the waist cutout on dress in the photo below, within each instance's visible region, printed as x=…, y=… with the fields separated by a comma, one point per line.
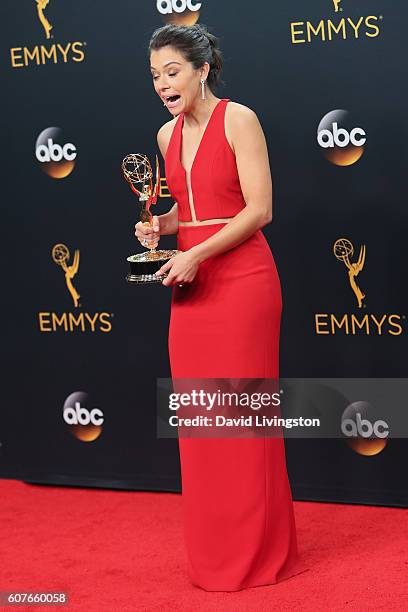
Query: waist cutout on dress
x=201, y=222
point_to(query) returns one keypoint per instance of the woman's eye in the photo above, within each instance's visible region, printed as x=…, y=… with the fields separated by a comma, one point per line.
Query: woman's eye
x=170, y=74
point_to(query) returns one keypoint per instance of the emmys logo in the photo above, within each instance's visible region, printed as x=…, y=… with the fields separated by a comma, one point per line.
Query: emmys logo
x=41, y=5
x=353, y=324
x=60, y=255
x=364, y=435
x=342, y=142
x=22, y=56
x=180, y=12
x=70, y=321
x=343, y=250
x=84, y=424
x=57, y=158
x=326, y=30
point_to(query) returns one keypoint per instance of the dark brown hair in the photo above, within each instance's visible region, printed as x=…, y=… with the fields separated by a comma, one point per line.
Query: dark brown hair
x=196, y=44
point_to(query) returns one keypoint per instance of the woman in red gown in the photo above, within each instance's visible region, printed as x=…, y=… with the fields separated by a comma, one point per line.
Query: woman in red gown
x=225, y=314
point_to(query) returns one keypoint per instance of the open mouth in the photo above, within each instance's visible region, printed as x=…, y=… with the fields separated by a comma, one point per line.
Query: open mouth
x=172, y=98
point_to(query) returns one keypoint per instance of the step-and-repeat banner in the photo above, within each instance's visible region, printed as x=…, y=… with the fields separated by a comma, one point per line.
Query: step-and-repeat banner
x=82, y=350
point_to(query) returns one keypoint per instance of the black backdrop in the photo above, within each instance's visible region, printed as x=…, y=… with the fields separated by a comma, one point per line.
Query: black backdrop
x=103, y=102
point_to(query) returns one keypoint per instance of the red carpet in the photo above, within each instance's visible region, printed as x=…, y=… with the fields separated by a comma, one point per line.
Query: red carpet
x=119, y=551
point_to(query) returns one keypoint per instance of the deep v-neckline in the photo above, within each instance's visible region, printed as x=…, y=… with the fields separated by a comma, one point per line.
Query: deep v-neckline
x=201, y=140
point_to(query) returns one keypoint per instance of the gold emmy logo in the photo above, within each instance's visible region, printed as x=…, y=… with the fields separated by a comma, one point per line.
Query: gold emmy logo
x=359, y=322
x=335, y=28
x=50, y=52
x=60, y=255
x=41, y=5
x=343, y=250
x=75, y=321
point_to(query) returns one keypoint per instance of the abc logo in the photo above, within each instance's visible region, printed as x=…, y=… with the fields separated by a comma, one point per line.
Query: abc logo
x=189, y=7
x=85, y=424
x=340, y=137
x=363, y=427
x=342, y=142
x=54, y=154
x=365, y=435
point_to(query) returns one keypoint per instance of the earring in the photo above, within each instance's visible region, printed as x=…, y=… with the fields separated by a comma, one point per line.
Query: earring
x=202, y=90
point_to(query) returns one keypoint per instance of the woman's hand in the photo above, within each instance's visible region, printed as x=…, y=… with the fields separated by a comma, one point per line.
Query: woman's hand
x=181, y=269
x=148, y=235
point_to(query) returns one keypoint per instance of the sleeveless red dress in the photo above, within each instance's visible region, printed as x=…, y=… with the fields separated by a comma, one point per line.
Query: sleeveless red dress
x=238, y=515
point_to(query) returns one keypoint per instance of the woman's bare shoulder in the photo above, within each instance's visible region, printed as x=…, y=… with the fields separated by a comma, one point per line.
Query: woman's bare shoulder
x=238, y=117
x=164, y=135
x=235, y=109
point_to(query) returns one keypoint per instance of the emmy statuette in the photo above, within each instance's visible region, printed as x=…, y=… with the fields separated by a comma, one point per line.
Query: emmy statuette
x=137, y=169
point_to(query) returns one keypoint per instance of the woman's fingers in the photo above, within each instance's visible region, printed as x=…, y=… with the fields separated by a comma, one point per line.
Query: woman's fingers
x=143, y=230
x=165, y=267
x=156, y=224
x=149, y=233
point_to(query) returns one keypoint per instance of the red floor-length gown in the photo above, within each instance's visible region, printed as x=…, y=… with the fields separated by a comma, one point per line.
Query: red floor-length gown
x=237, y=506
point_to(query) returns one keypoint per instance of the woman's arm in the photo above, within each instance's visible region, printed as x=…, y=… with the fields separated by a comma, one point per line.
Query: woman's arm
x=168, y=222
x=252, y=161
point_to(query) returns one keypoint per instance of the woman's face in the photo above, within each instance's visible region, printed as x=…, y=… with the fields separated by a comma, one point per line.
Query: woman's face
x=174, y=76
